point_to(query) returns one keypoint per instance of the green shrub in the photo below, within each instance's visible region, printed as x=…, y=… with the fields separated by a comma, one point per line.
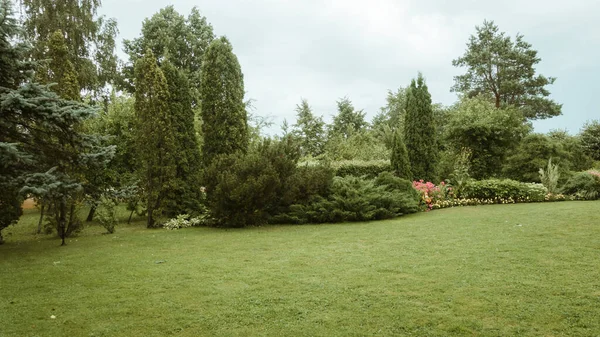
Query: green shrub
x=306, y=183
x=507, y=190
x=106, y=214
x=584, y=185
x=354, y=199
x=246, y=190
x=359, y=168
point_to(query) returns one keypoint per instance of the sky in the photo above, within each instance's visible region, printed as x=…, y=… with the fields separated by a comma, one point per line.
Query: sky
x=326, y=50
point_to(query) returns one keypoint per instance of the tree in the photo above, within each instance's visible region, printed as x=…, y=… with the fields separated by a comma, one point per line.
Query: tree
x=399, y=158
x=310, y=129
x=90, y=39
x=348, y=120
x=505, y=70
x=590, y=137
x=224, y=117
x=154, y=137
x=59, y=69
x=420, y=132
x=168, y=34
x=185, y=193
x=42, y=149
x=491, y=134
x=392, y=114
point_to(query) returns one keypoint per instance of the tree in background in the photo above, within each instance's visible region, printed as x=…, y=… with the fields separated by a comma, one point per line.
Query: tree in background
x=90, y=39
x=590, y=137
x=154, y=136
x=504, y=70
x=399, y=158
x=490, y=133
x=348, y=120
x=420, y=132
x=310, y=129
x=60, y=69
x=392, y=114
x=185, y=193
x=168, y=34
x=224, y=117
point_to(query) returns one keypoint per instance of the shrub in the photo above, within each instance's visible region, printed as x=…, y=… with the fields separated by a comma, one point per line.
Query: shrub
x=308, y=182
x=106, y=214
x=246, y=190
x=550, y=176
x=353, y=199
x=360, y=168
x=431, y=194
x=584, y=185
x=184, y=221
x=505, y=190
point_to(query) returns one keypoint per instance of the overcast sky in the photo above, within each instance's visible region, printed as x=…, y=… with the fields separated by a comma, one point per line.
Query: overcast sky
x=325, y=50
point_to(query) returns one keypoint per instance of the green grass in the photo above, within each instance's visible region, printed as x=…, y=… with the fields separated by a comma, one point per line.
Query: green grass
x=502, y=270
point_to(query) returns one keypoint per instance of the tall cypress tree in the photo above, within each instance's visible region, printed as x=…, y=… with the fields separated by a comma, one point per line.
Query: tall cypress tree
x=60, y=69
x=225, y=121
x=154, y=135
x=399, y=159
x=185, y=193
x=419, y=131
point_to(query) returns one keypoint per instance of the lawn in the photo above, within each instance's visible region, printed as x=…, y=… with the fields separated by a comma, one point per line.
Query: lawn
x=501, y=270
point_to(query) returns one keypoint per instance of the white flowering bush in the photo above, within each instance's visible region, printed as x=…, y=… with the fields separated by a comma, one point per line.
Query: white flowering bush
x=184, y=221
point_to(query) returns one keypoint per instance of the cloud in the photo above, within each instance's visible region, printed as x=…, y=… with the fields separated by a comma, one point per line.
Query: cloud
x=324, y=50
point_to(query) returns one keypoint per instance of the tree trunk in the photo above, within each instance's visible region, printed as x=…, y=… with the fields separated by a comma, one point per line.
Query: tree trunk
x=497, y=101
x=1, y=238
x=90, y=216
x=150, y=222
x=39, y=230
x=62, y=222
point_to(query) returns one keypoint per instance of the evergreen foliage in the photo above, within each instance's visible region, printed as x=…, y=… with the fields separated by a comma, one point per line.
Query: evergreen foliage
x=310, y=129
x=348, y=120
x=224, y=117
x=420, y=132
x=185, y=193
x=590, y=137
x=399, y=158
x=154, y=136
x=503, y=69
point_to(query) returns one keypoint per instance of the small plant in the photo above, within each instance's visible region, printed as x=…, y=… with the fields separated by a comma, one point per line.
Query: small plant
x=106, y=214
x=184, y=221
x=550, y=176
x=462, y=166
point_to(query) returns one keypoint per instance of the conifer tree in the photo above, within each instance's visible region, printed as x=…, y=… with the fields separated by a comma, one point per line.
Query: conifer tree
x=399, y=159
x=419, y=131
x=185, y=193
x=310, y=129
x=154, y=137
x=59, y=69
x=224, y=117
x=348, y=120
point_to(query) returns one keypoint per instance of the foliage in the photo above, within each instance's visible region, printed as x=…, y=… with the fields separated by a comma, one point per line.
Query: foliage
x=504, y=190
x=399, y=160
x=90, y=39
x=504, y=70
x=225, y=122
x=575, y=156
x=246, y=190
x=431, y=194
x=184, y=192
x=462, y=167
x=362, y=145
x=360, y=168
x=549, y=177
x=310, y=129
x=60, y=69
x=590, y=137
x=348, y=120
x=185, y=221
x=584, y=185
x=154, y=137
x=393, y=113
x=170, y=36
x=419, y=131
x=490, y=133
x=353, y=199
x=533, y=152
x=106, y=214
